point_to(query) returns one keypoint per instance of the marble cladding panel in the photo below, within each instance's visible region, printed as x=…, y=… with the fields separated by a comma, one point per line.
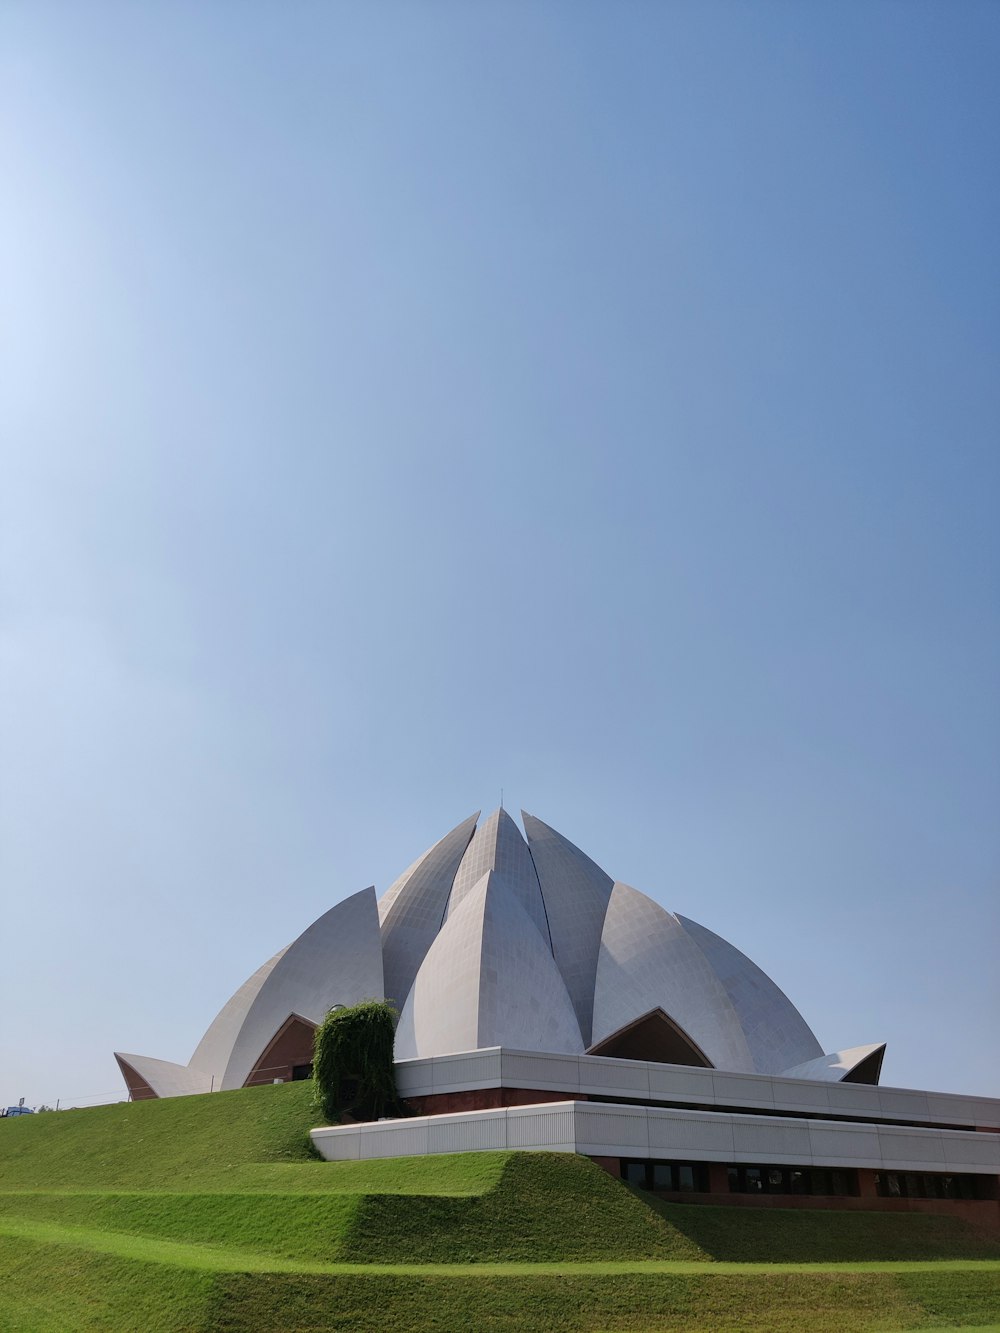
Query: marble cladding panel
x=542, y=1127
x=743, y=1090
x=339, y=1144
x=798, y=1095
x=397, y=1138
x=605, y=1127
x=972, y=1152
x=488, y=1130
x=902, y=1103
x=925, y=1147
x=630, y=1078
x=681, y=1083
x=757, y=1138
x=833, y=1144
x=529, y=1069
x=690, y=1134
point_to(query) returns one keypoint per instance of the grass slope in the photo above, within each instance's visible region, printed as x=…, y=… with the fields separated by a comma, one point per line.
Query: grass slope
x=254, y=1139
x=759, y=1235
x=777, y=1303
x=212, y=1213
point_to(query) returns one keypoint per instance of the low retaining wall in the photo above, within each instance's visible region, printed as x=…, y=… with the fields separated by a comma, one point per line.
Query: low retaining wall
x=609, y=1130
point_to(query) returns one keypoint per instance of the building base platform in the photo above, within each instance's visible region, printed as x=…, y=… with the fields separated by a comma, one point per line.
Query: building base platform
x=701, y=1136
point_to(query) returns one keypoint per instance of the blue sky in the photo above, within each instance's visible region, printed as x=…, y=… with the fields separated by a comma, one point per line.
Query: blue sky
x=402, y=401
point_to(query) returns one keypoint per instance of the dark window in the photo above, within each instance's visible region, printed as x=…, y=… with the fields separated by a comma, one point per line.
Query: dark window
x=925, y=1185
x=689, y=1177
x=635, y=1173
x=791, y=1180
x=685, y=1178
x=300, y=1072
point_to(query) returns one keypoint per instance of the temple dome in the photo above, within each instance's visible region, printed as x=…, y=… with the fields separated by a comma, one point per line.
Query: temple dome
x=494, y=938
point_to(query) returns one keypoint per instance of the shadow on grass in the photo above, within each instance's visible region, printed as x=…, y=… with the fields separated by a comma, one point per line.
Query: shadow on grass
x=793, y=1235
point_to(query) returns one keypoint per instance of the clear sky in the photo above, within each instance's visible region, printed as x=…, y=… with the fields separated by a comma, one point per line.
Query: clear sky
x=402, y=401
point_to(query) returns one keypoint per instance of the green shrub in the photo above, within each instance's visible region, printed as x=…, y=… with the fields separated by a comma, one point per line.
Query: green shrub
x=352, y=1063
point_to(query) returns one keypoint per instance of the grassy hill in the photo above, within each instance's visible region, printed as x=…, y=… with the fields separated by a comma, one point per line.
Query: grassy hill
x=212, y=1213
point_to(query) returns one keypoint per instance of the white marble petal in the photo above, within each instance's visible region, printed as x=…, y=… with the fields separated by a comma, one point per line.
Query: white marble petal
x=213, y=1051
x=165, y=1078
x=498, y=845
x=575, y=892
x=647, y=961
x=777, y=1035
x=338, y=960
x=488, y=980
x=413, y=908
x=835, y=1067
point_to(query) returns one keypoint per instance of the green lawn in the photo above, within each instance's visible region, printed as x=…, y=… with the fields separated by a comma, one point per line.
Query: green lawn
x=211, y=1213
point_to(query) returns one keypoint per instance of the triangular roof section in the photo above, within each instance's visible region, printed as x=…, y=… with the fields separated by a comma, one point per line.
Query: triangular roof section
x=499, y=846
x=412, y=909
x=653, y=1036
x=575, y=891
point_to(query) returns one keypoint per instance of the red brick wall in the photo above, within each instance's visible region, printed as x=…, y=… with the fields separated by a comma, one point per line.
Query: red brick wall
x=292, y=1045
x=483, y=1099
x=983, y=1213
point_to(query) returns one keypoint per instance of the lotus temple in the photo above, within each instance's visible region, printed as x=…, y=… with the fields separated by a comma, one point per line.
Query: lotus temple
x=544, y=1005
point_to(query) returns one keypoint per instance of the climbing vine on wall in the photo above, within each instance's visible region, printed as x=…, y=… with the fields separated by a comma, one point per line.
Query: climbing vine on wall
x=352, y=1063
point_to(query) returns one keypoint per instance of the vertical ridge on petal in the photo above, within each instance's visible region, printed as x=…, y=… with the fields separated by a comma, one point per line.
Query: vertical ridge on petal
x=413, y=908
x=575, y=891
x=488, y=980
x=498, y=845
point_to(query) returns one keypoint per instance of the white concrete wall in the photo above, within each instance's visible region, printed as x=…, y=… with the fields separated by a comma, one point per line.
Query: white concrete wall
x=603, y=1076
x=607, y=1130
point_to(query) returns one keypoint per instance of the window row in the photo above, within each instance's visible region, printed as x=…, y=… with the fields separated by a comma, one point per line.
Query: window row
x=925, y=1185
x=693, y=1178
x=792, y=1180
x=689, y=1177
